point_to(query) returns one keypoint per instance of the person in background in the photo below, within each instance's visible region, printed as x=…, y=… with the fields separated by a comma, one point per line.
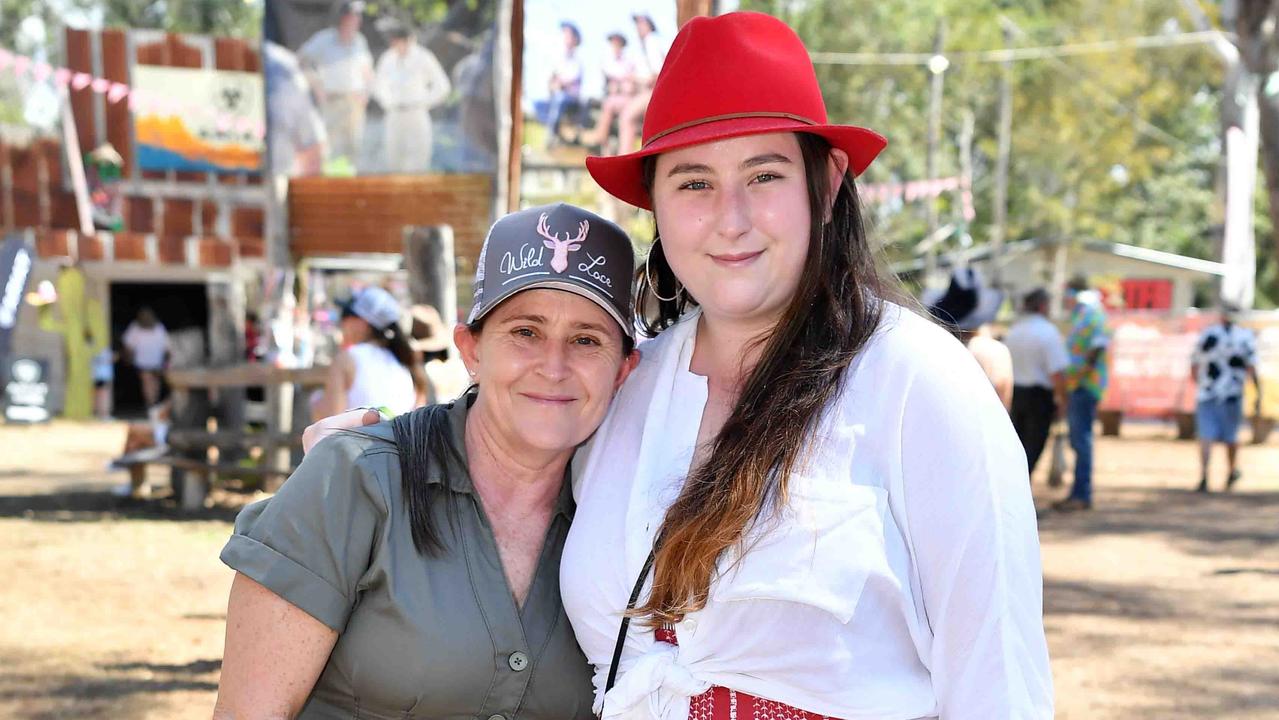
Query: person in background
x=340, y=69
x=376, y=367
x=619, y=87
x=103, y=375
x=296, y=130
x=966, y=308
x=654, y=48
x=429, y=338
x=1086, y=378
x=410, y=82
x=1039, y=381
x=146, y=342
x=1225, y=356
x=565, y=85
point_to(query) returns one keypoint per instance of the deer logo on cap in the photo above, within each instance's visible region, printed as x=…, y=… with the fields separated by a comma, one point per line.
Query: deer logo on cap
x=561, y=248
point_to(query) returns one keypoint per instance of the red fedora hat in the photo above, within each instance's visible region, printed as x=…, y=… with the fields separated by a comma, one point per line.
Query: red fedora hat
x=743, y=73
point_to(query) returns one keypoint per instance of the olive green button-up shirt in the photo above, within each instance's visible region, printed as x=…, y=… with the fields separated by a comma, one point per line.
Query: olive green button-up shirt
x=420, y=636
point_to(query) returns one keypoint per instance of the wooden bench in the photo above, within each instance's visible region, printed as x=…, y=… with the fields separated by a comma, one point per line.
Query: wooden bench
x=197, y=476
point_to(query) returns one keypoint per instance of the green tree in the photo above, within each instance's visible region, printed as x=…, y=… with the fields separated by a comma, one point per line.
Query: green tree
x=1120, y=146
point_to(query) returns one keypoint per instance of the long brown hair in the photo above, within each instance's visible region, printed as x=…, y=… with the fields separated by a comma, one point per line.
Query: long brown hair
x=801, y=369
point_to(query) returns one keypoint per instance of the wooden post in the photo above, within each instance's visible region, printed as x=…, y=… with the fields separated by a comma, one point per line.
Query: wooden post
x=938, y=70
x=429, y=260
x=998, y=227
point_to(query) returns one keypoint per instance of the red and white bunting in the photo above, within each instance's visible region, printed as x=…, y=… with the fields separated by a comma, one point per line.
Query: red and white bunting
x=116, y=92
x=915, y=190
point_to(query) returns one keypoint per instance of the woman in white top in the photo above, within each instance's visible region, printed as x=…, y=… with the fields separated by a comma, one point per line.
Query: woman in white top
x=838, y=503
x=147, y=344
x=376, y=367
x=808, y=497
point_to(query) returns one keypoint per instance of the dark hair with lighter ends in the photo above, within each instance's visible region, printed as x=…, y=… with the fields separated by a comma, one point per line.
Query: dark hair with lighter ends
x=801, y=369
x=425, y=444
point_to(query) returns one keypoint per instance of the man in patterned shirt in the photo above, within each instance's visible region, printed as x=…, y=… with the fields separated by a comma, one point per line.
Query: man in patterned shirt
x=1225, y=356
x=1086, y=378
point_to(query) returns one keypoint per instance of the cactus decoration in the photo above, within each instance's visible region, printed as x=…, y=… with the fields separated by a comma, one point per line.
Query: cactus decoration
x=83, y=326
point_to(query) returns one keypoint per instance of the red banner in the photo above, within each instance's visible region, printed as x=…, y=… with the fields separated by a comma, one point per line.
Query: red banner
x=1150, y=359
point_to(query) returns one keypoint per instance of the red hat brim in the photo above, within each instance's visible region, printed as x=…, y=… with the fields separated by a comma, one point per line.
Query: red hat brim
x=622, y=176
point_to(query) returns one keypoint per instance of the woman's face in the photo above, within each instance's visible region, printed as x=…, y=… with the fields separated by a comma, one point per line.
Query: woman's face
x=354, y=330
x=548, y=363
x=734, y=222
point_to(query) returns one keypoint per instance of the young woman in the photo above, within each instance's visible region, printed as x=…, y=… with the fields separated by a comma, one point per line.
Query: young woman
x=834, y=500
x=410, y=570
x=808, y=498
x=376, y=366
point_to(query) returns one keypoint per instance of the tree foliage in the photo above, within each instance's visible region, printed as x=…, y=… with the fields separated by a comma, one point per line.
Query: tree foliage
x=1121, y=146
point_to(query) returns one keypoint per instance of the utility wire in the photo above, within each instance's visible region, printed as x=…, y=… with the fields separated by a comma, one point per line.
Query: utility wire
x=1030, y=53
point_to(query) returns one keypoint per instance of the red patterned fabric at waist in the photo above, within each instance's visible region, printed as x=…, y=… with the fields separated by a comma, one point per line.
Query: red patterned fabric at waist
x=720, y=703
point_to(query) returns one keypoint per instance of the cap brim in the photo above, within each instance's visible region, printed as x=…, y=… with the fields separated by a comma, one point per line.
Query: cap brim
x=622, y=176
x=627, y=326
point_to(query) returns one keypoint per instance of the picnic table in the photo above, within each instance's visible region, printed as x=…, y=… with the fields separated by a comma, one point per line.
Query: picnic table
x=198, y=455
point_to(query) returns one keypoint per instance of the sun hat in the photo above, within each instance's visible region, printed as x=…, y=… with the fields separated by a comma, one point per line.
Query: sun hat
x=738, y=74
x=560, y=247
x=966, y=303
x=428, y=333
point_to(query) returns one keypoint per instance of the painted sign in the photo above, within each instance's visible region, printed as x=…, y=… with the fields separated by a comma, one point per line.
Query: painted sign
x=26, y=391
x=197, y=119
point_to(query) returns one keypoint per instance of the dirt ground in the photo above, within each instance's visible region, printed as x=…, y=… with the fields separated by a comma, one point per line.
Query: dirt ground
x=1159, y=603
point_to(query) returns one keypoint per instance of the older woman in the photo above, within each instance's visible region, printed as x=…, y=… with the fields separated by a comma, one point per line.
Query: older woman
x=410, y=569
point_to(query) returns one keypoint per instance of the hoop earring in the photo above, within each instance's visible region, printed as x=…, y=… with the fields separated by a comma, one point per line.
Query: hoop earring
x=652, y=286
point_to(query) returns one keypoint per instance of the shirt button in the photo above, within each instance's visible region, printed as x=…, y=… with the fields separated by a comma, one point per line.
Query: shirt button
x=690, y=625
x=496, y=717
x=518, y=661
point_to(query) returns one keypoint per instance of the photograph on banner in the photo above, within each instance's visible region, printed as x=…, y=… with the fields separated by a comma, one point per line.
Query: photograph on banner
x=589, y=70
x=399, y=87
x=197, y=119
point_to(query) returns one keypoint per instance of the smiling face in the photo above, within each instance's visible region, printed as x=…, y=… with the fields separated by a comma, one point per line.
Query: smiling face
x=734, y=221
x=548, y=363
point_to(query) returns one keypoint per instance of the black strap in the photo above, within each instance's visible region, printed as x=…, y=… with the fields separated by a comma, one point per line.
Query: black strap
x=626, y=624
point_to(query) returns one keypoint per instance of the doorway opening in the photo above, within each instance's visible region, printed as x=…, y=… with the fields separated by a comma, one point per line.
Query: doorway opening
x=178, y=306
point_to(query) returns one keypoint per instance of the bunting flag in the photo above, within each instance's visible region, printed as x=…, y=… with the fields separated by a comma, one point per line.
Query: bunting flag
x=22, y=66
x=916, y=190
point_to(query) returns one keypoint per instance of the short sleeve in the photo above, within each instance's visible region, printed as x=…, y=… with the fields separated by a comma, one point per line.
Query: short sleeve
x=1055, y=348
x=312, y=542
x=1098, y=337
x=973, y=531
x=1200, y=356
x=306, y=53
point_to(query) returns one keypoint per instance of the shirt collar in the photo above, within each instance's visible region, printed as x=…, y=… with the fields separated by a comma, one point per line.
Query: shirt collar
x=459, y=476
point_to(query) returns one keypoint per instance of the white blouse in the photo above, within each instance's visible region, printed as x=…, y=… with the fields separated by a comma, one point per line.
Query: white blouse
x=902, y=581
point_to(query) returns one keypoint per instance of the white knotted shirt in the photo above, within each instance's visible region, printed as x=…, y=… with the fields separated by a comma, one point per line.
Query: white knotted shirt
x=901, y=581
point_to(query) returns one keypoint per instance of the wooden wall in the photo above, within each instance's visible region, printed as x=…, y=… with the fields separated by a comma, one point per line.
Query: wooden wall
x=193, y=219
x=368, y=214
